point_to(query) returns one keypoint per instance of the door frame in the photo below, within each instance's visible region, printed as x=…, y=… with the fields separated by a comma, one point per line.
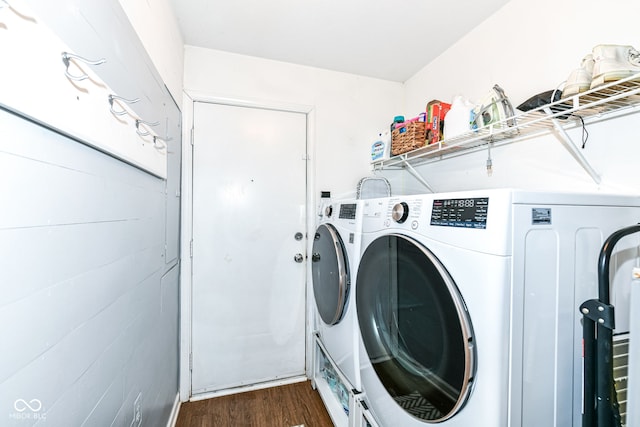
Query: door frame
x=186, y=285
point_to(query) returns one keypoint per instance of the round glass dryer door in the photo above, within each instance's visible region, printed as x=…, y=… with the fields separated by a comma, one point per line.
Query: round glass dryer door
x=415, y=328
x=330, y=270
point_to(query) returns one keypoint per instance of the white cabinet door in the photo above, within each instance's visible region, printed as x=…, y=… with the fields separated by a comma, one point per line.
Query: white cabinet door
x=248, y=312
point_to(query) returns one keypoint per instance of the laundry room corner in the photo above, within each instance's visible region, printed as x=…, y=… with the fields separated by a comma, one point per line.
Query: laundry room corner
x=526, y=57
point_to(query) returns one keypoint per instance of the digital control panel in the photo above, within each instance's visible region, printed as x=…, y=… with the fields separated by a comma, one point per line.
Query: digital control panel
x=348, y=211
x=465, y=213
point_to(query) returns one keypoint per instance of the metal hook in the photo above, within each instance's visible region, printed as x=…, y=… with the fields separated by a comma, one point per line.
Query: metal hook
x=119, y=98
x=66, y=59
x=139, y=122
x=163, y=144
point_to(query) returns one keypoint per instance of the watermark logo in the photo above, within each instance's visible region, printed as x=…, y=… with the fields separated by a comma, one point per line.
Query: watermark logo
x=21, y=405
x=28, y=410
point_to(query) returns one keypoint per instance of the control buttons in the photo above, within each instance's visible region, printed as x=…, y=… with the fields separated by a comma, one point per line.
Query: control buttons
x=387, y=223
x=400, y=212
x=414, y=225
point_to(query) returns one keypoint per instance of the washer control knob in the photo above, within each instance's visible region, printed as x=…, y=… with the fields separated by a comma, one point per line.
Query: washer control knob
x=328, y=211
x=400, y=212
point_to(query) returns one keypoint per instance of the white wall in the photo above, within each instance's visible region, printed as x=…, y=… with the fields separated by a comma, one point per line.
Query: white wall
x=158, y=30
x=89, y=304
x=349, y=110
x=527, y=48
x=88, y=308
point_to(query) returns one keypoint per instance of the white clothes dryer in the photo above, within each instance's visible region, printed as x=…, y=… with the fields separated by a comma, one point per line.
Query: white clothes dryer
x=334, y=263
x=467, y=304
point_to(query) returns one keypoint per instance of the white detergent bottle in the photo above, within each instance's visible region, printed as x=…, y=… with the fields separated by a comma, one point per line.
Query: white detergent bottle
x=457, y=120
x=381, y=149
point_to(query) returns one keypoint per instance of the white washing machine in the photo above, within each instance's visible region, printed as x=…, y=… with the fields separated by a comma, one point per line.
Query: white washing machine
x=335, y=255
x=468, y=302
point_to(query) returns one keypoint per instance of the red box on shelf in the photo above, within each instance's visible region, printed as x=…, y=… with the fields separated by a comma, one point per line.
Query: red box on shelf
x=436, y=111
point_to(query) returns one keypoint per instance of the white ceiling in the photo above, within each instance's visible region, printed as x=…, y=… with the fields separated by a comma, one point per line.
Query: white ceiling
x=387, y=39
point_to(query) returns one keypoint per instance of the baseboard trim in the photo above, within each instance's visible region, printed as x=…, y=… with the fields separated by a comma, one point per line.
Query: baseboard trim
x=173, y=417
x=259, y=386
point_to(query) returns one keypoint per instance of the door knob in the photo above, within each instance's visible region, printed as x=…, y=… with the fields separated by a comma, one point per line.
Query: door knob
x=298, y=258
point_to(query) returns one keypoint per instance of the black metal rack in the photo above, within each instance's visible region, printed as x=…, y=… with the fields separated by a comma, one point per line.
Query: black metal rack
x=600, y=399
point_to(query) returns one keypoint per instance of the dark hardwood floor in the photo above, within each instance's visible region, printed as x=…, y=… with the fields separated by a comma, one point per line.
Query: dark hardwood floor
x=285, y=406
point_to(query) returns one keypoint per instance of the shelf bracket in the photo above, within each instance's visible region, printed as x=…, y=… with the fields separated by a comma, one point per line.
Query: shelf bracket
x=571, y=147
x=416, y=175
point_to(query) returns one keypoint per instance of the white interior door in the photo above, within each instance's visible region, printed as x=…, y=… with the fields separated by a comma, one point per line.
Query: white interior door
x=248, y=293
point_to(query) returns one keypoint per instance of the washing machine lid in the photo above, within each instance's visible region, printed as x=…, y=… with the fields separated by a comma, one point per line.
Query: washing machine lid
x=330, y=272
x=415, y=328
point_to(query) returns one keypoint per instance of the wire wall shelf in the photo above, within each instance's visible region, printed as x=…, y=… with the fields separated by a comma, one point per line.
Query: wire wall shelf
x=557, y=116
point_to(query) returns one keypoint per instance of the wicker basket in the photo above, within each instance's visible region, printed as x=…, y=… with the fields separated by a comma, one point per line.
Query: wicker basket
x=411, y=139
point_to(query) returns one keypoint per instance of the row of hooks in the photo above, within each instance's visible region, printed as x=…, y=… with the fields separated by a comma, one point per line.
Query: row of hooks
x=67, y=58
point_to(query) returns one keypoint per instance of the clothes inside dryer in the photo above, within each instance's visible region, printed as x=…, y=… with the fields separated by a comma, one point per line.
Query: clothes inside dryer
x=415, y=327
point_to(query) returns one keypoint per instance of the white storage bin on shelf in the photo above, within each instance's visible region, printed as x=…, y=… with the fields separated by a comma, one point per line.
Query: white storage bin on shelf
x=590, y=106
